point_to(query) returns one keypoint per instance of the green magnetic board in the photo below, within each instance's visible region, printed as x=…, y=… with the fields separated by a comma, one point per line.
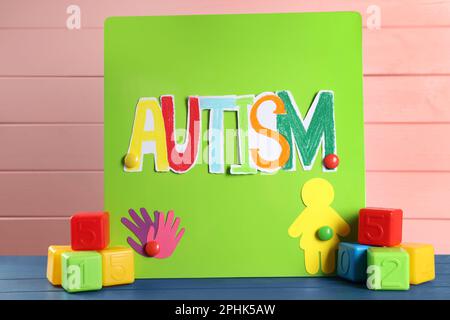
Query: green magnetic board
x=235, y=225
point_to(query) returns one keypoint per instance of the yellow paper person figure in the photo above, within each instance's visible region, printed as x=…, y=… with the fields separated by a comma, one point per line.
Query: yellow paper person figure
x=319, y=226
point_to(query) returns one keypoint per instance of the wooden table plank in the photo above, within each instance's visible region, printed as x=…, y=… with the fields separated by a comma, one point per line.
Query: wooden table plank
x=335, y=284
x=350, y=293
x=24, y=278
x=22, y=267
x=34, y=267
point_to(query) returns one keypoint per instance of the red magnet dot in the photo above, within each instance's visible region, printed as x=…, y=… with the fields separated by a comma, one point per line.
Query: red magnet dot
x=331, y=161
x=152, y=248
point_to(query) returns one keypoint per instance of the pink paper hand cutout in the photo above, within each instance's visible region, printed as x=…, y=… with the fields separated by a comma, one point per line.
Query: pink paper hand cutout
x=164, y=231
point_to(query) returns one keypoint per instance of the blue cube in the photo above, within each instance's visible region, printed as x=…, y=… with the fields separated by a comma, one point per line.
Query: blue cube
x=352, y=261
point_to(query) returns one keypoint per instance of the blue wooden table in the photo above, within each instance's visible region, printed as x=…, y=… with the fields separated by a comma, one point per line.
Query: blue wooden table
x=24, y=278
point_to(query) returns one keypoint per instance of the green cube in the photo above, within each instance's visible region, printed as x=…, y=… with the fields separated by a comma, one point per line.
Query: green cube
x=81, y=271
x=387, y=269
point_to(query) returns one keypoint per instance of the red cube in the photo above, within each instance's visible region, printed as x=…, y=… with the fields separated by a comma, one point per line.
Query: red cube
x=380, y=227
x=89, y=230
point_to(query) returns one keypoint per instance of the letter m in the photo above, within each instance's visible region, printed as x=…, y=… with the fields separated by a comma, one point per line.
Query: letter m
x=316, y=130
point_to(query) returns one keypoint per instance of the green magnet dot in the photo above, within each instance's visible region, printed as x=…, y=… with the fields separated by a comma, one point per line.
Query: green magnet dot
x=325, y=233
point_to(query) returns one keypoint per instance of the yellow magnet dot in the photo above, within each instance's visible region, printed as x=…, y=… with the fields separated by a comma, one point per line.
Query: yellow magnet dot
x=131, y=160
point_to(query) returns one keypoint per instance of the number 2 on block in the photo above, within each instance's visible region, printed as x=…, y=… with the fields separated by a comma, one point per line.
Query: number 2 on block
x=386, y=279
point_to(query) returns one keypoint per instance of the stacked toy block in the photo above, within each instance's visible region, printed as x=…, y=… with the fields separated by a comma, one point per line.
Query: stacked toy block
x=88, y=264
x=379, y=258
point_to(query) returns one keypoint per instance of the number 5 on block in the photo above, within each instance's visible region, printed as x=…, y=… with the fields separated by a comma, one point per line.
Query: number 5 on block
x=117, y=265
x=89, y=231
x=380, y=227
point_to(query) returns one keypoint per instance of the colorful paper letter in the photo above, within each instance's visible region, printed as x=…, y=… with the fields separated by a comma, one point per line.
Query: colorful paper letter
x=217, y=106
x=182, y=161
x=318, y=128
x=149, y=135
x=261, y=163
x=244, y=103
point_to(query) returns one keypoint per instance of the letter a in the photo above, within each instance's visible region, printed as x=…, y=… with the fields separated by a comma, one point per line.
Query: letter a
x=149, y=136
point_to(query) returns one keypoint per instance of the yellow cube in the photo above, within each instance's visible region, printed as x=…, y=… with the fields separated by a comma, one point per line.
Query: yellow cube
x=421, y=262
x=117, y=265
x=54, y=263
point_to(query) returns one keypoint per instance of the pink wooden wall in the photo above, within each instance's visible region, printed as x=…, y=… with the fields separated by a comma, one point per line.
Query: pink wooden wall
x=51, y=110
